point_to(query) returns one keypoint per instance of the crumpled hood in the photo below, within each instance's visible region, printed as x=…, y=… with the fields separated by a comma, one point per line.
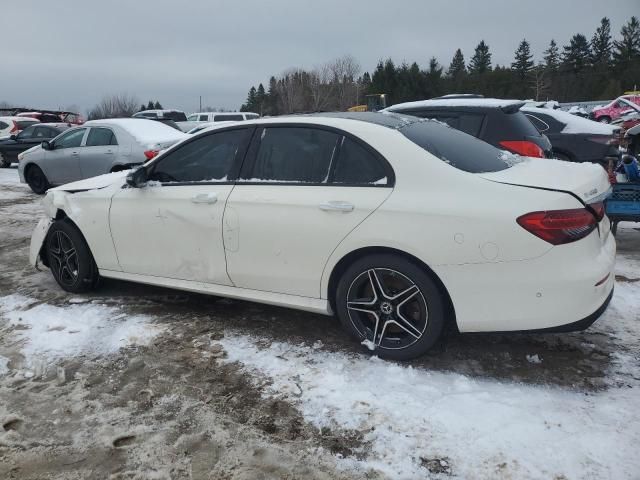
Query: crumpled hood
x=101, y=181
x=587, y=181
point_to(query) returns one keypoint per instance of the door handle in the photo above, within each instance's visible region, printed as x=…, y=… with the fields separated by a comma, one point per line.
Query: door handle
x=109, y=152
x=205, y=198
x=337, y=206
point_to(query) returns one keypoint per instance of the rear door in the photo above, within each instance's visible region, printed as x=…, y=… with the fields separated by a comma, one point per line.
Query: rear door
x=62, y=163
x=99, y=152
x=303, y=189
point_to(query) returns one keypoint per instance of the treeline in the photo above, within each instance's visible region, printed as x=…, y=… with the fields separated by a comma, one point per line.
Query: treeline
x=595, y=69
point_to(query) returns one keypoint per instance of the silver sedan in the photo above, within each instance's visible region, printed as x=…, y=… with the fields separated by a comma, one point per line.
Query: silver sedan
x=95, y=148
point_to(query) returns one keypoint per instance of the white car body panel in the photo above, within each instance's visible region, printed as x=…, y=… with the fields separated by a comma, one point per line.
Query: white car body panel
x=278, y=247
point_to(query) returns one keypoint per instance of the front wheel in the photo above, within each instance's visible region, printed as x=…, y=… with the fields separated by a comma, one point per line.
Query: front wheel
x=4, y=163
x=69, y=258
x=390, y=305
x=36, y=179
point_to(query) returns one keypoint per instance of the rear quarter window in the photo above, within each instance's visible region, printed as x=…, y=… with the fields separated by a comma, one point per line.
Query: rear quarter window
x=457, y=148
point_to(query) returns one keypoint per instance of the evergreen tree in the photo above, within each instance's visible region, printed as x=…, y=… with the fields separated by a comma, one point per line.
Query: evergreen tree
x=251, y=100
x=149, y=105
x=143, y=107
x=523, y=60
x=261, y=98
x=552, y=56
x=481, y=60
x=457, y=67
x=272, y=97
x=601, y=44
x=433, y=79
x=628, y=48
x=157, y=105
x=577, y=54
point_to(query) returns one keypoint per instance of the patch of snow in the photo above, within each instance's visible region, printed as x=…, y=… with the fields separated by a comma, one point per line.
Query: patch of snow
x=369, y=344
x=455, y=102
x=485, y=428
x=49, y=332
x=100, y=181
x=146, y=132
x=4, y=362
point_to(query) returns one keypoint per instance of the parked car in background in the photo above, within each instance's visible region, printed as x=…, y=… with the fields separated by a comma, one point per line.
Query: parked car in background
x=197, y=119
x=614, y=109
x=14, y=125
x=166, y=121
x=51, y=116
x=497, y=122
x=400, y=226
x=42, y=117
x=204, y=125
x=175, y=115
x=27, y=138
x=97, y=147
x=574, y=138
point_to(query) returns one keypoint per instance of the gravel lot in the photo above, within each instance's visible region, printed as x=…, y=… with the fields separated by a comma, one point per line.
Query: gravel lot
x=141, y=382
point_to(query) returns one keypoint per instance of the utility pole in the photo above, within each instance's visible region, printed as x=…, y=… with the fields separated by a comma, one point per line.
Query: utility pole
x=200, y=103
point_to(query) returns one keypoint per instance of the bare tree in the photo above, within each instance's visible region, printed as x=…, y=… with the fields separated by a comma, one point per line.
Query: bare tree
x=291, y=88
x=320, y=87
x=344, y=71
x=115, y=106
x=538, y=82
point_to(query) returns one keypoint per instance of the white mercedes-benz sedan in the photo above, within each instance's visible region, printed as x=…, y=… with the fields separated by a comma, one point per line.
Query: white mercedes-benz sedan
x=400, y=226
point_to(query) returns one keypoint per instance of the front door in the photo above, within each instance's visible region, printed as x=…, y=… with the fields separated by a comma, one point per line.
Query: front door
x=172, y=227
x=62, y=163
x=304, y=189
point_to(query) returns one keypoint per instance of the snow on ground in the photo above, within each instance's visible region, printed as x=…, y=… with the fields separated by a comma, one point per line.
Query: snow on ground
x=49, y=332
x=483, y=428
x=4, y=362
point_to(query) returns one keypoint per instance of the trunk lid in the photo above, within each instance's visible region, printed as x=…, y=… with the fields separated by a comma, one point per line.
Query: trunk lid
x=587, y=181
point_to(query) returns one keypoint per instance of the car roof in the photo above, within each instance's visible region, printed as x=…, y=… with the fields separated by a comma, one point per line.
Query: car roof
x=465, y=102
x=22, y=119
x=142, y=129
x=160, y=110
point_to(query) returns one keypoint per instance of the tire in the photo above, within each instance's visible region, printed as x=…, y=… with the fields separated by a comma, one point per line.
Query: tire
x=604, y=119
x=410, y=316
x=4, y=163
x=614, y=228
x=69, y=258
x=36, y=179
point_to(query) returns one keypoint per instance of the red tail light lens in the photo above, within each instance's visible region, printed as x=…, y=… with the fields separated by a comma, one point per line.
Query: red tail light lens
x=559, y=226
x=523, y=147
x=14, y=129
x=598, y=210
x=151, y=154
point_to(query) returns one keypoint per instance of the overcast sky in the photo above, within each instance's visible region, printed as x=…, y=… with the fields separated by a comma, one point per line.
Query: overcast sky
x=73, y=52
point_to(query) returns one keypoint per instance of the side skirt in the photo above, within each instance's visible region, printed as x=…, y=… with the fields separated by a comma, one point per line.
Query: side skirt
x=315, y=305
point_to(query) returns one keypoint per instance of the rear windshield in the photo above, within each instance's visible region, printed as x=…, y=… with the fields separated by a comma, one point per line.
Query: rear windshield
x=458, y=149
x=175, y=116
x=22, y=124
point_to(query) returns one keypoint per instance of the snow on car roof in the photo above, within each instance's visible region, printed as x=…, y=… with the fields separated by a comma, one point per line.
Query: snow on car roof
x=457, y=102
x=143, y=130
x=573, y=123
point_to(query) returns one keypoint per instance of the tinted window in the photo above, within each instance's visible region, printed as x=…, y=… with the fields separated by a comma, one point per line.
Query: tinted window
x=467, y=122
x=100, y=136
x=206, y=159
x=71, y=139
x=26, y=133
x=204, y=118
x=456, y=148
x=228, y=118
x=295, y=154
x=357, y=165
x=49, y=118
x=175, y=116
x=251, y=115
x=3, y=125
x=22, y=124
x=538, y=122
x=41, y=132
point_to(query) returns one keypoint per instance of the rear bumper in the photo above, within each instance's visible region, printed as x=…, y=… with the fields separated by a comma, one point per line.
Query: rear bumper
x=564, y=289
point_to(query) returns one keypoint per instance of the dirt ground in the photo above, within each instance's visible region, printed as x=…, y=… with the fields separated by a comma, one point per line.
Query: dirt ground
x=174, y=409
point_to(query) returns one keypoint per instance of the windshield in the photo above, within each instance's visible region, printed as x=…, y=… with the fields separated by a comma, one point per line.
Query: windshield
x=458, y=149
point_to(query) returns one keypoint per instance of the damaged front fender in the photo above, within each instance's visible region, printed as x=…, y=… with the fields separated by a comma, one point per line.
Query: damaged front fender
x=37, y=240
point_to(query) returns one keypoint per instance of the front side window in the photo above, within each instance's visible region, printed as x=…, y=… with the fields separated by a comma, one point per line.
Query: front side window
x=192, y=118
x=228, y=118
x=100, y=136
x=26, y=133
x=41, y=132
x=205, y=159
x=294, y=154
x=70, y=139
x=358, y=166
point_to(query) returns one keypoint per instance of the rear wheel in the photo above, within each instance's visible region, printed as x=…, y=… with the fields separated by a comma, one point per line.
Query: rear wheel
x=390, y=305
x=69, y=258
x=36, y=179
x=562, y=156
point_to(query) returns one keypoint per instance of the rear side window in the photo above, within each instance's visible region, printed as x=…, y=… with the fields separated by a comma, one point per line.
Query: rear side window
x=206, y=159
x=204, y=118
x=249, y=116
x=228, y=118
x=540, y=124
x=295, y=154
x=456, y=148
x=100, y=136
x=3, y=125
x=470, y=123
x=357, y=165
x=175, y=116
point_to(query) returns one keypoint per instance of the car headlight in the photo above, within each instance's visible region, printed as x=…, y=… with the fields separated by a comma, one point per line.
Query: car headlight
x=20, y=156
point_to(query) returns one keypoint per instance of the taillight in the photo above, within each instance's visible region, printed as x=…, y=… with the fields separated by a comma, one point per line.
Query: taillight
x=598, y=210
x=523, y=147
x=151, y=154
x=559, y=226
x=15, y=128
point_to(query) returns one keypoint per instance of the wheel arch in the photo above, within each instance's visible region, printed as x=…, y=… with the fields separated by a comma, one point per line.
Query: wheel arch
x=351, y=257
x=60, y=215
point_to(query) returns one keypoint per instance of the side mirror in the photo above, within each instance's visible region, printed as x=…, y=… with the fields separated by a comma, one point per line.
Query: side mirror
x=46, y=145
x=136, y=178
x=13, y=137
